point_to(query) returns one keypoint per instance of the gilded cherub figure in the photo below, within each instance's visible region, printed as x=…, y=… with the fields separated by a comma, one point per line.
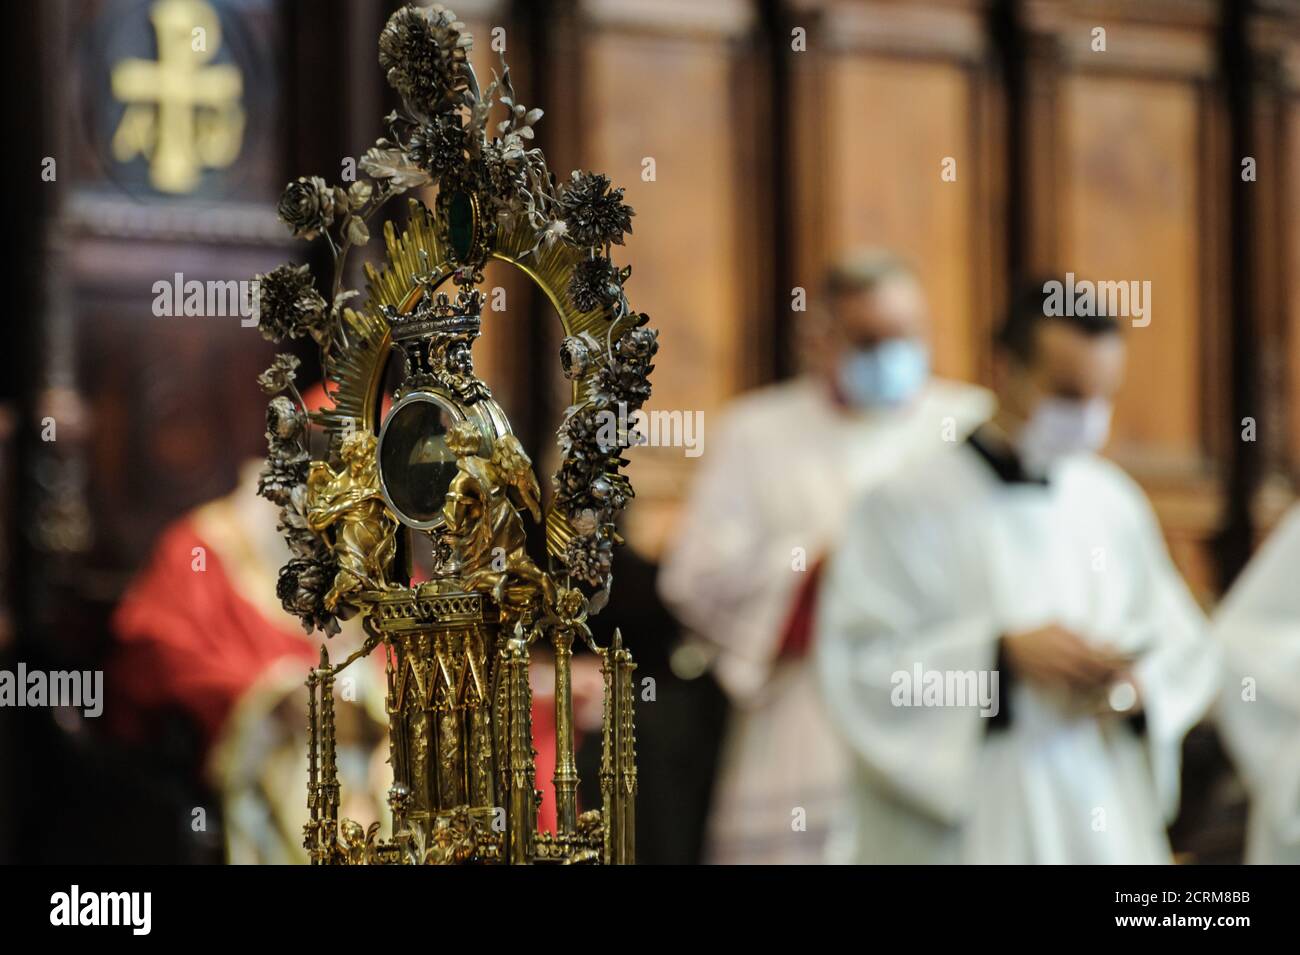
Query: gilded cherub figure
x=455, y=840
x=365, y=540
x=356, y=844
x=482, y=516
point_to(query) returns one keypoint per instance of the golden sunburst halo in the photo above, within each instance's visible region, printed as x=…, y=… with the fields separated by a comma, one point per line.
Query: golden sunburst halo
x=356, y=369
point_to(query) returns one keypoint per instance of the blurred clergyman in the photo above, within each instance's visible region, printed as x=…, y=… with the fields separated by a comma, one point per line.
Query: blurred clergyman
x=779, y=477
x=1258, y=713
x=1023, y=557
x=200, y=634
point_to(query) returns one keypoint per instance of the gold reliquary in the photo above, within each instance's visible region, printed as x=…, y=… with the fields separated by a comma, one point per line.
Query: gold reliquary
x=430, y=469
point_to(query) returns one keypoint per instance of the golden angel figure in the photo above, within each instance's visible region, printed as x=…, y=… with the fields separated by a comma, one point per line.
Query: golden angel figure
x=482, y=514
x=365, y=540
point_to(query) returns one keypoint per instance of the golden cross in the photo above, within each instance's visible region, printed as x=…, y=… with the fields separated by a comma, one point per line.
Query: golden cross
x=182, y=115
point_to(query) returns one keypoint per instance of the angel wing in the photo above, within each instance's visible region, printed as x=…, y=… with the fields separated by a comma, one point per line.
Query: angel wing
x=516, y=470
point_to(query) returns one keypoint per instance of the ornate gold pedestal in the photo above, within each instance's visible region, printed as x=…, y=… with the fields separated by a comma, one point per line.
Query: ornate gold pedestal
x=461, y=743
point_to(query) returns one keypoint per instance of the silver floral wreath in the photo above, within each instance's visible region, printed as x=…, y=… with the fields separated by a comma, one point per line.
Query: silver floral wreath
x=441, y=136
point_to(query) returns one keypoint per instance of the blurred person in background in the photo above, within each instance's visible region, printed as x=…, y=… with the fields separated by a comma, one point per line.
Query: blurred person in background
x=1027, y=558
x=770, y=500
x=201, y=633
x=1258, y=713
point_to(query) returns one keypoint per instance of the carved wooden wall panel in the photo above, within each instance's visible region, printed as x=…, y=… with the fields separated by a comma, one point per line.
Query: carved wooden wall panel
x=166, y=401
x=885, y=93
x=1272, y=267
x=699, y=269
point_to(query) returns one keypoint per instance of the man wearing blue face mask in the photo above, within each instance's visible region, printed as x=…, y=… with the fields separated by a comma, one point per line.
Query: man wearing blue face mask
x=1025, y=565
x=773, y=490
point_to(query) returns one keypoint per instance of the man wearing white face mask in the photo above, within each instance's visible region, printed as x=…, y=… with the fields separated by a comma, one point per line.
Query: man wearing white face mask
x=780, y=475
x=1003, y=641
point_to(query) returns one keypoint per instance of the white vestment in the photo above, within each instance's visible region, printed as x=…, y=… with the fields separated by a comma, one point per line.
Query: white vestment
x=936, y=564
x=1258, y=713
x=780, y=474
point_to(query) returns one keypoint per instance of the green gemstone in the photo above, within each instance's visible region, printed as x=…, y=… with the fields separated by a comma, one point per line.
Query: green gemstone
x=460, y=216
